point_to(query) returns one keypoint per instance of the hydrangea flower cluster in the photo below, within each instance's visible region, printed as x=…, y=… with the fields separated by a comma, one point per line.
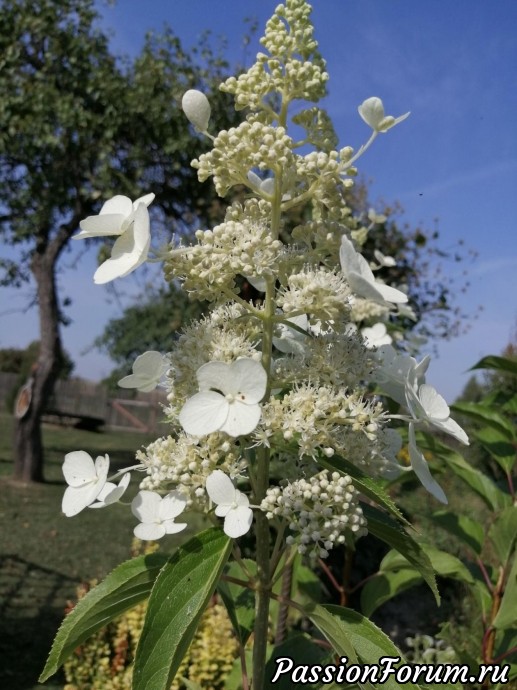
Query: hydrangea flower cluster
x=320, y=512
x=262, y=392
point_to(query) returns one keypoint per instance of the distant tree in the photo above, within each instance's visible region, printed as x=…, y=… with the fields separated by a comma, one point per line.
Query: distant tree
x=74, y=121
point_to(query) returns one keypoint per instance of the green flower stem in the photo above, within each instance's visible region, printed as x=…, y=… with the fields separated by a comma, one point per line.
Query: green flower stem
x=263, y=589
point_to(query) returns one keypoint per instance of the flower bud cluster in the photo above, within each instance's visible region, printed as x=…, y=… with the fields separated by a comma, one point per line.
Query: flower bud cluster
x=319, y=128
x=324, y=419
x=321, y=511
x=230, y=249
x=293, y=66
x=184, y=463
x=319, y=292
x=329, y=359
x=240, y=149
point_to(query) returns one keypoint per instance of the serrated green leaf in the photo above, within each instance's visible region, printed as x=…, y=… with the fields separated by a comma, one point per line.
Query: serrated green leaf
x=468, y=531
x=393, y=534
x=125, y=587
x=495, y=442
x=486, y=414
x=496, y=363
x=384, y=586
x=507, y=614
x=479, y=482
x=178, y=599
x=344, y=628
x=369, y=487
x=503, y=533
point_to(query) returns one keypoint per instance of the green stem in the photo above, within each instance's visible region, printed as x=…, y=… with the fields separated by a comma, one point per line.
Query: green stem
x=263, y=588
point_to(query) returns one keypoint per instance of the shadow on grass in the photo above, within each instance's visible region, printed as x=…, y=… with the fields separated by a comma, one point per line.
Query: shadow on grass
x=31, y=610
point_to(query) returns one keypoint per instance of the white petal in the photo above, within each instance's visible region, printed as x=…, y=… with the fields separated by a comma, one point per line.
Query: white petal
x=146, y=506
x=220, y=488
x=147, y=199
x=248, y=378
x=150, y=364
x=99, y=226
x=149, y=531
x=241, y=419
x=171, y=506
x=268, y=186
x=258, y=282
x=129, y=251
x=391, y=294
x=254, y=179
x=453, y=428
x=354, y=262
x=148, y=369
x=79, y=468
x=433, y=403
x=238, y=521
x=118, y=204
x=139, y=382
x=372, y=111
x=214, y=376
x=76, y=499
x=102, y=466
x=421, y=469
x=204, y=413
x=111, y=493
x=172, y=527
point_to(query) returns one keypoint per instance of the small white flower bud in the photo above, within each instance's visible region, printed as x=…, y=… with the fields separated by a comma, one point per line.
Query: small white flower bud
x=196, y=107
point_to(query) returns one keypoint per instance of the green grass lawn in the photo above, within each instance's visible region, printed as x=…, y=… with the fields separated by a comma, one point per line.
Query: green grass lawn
x=44, y=555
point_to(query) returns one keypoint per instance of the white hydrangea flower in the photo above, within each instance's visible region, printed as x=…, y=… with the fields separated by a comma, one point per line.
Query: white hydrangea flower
x=148, y=370
x=85, y=480
x=196, y=107
x=114, y=218
x=376, y=335
x=421, y=468
x=156, y=514
x=397, y=371
x=228, y=400
x=231, y=504
x=428, y=406
x=111, y=493
x=129, y=251
x=361, y=279
x=372, y=112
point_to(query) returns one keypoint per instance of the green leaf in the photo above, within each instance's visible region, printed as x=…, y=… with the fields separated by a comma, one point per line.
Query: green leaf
x=497, y=363
x=468, y=531
x=497, y=444
x=239, y=601
x=507, y=614
x=302, y=650
x=503, y=533
x=123, y=588
x=486, y=414
x=383, y=527
x=479, y=482
x=369, y=487
x=178, y=599
x=384, y=586
x=344, y=628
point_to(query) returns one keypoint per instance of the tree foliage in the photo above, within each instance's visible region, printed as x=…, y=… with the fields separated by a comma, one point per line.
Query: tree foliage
x=77, y=120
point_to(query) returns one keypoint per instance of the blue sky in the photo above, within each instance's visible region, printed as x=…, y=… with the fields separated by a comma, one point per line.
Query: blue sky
x=452, y=64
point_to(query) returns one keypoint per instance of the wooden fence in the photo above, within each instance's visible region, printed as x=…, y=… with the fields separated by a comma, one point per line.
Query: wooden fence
x=79, y=402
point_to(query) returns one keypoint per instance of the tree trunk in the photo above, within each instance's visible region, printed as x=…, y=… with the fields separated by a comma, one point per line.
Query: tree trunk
x=28, y=448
